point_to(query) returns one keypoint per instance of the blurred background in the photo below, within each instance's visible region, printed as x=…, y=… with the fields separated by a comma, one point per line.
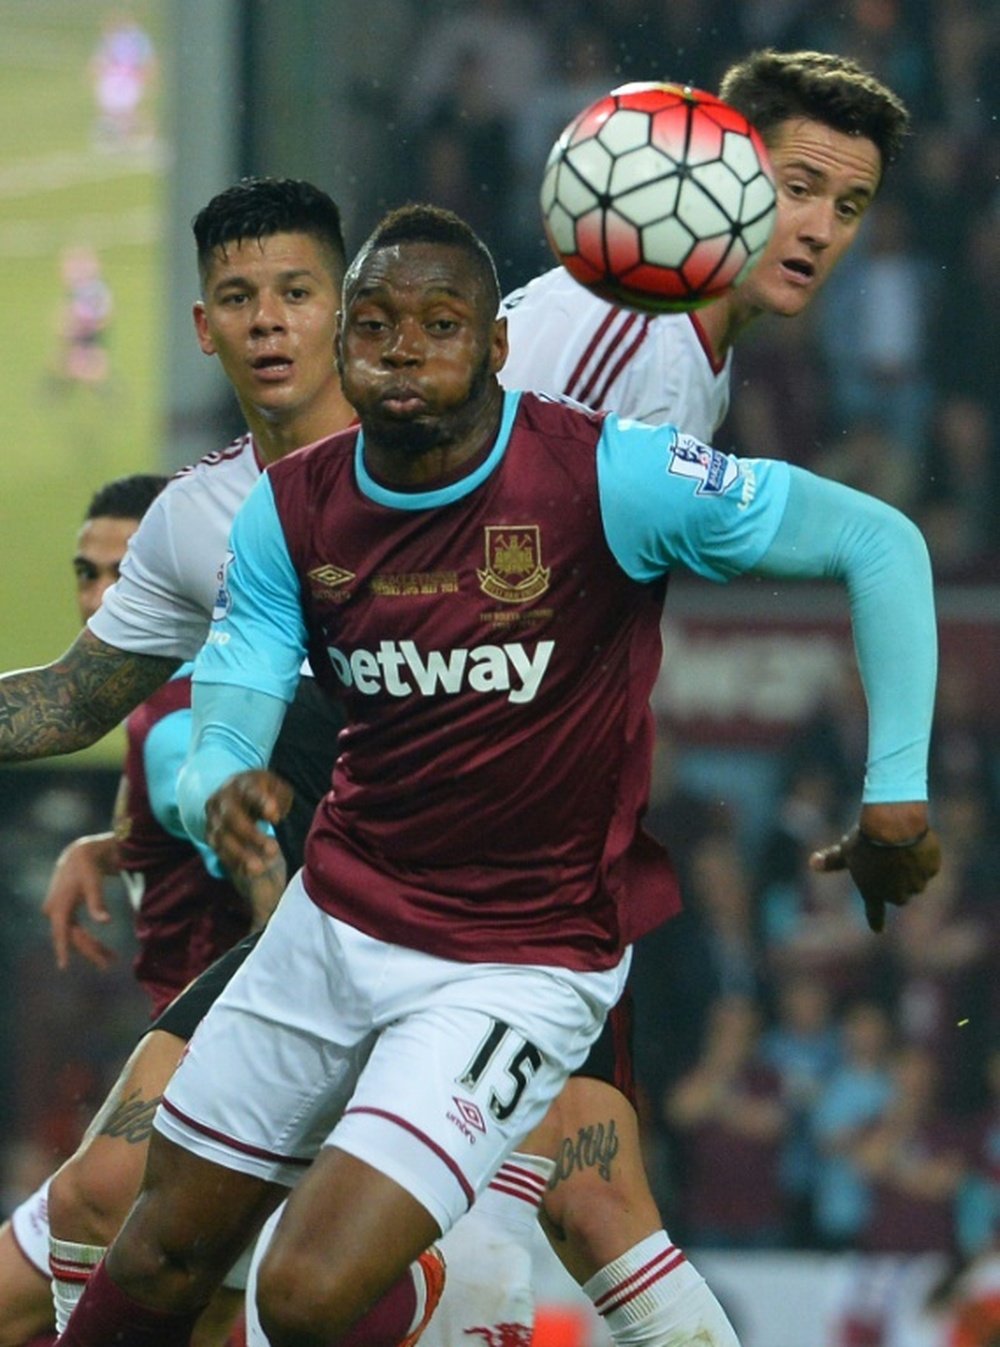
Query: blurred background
x=860, y=1077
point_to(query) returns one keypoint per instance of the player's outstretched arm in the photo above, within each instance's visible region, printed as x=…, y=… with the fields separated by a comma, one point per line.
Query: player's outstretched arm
x=74, y=701
x=833, y=532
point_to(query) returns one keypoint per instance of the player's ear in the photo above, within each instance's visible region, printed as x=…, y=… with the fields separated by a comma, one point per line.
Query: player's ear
x=201, y=328
x=498, y=345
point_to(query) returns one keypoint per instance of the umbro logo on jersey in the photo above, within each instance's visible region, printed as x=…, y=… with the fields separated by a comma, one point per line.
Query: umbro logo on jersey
x=399, y=669
x=327, y=577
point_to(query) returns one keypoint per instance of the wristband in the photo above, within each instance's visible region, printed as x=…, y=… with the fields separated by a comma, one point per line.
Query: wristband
x=893, y=846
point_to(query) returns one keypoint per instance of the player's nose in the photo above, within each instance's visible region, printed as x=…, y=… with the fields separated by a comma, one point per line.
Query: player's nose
x=405, y=344
x=269, y=313
x=816, y=225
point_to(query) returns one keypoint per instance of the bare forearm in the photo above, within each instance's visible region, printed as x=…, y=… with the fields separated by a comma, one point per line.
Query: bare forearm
x=72, y=702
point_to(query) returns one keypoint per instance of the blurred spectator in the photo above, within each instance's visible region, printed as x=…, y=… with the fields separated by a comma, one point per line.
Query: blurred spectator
x=803, y=1047
x=866, y=456
x=719, y=897
x=814, y=925
x=581, y=73
x=979, y=1201
x=884, y=35
x=729, y=1113
x=938, y=947
x=85, y=313
x=959, y=491
x=123, y=71
x=874, y=335
x=805, y=810
x=914, y=1157
x=854, y=1097
x=499, y=39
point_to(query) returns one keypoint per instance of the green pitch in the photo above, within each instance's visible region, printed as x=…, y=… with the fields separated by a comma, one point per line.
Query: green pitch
x=59, y=186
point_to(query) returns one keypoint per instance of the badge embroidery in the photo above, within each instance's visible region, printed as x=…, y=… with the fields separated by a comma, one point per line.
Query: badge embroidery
x=513, y=572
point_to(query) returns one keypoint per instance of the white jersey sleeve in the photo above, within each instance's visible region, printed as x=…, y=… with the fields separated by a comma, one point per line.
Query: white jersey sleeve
x=162, y=602
x=566, y=342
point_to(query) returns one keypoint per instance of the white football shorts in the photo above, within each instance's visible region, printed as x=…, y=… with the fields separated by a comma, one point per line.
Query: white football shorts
x=427, y=1069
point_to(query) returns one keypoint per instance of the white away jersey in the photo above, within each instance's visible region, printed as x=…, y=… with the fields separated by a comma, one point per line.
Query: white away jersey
x=567, y=342
x=162, y=602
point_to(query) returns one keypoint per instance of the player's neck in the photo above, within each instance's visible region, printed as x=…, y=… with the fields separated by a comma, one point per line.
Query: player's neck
x=276, y=436
x=723, y=321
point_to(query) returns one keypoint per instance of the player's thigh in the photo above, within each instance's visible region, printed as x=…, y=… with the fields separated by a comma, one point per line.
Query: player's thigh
x=25, y=1294
x=92, y=1192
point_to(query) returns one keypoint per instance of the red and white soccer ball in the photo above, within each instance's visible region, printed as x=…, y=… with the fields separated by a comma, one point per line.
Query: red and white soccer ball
x=658, y=197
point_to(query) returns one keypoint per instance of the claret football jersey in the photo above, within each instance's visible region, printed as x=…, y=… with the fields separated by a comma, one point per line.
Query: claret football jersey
x=495, y=642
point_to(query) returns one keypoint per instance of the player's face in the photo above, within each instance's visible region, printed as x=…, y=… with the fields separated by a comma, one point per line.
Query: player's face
x=420, y=346
x=826, y=181
x=100, y=546
x=269, y=314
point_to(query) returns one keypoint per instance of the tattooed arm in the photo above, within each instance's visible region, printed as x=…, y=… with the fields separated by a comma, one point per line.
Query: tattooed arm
x=74, y=701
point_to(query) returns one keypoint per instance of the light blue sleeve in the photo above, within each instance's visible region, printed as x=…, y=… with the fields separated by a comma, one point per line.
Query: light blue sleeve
x=667, y=498
x=248, y=669
x=832, y=532
x=257, y=638
x=163, y=755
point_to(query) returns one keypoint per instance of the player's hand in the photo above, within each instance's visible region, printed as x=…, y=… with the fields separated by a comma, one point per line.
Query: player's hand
x=885, y=864
x=77, y=888
x=231, y=817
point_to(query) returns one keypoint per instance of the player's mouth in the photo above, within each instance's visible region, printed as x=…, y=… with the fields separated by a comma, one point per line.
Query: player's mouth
x=402, y=402
x=797, y=270
x=271, y=368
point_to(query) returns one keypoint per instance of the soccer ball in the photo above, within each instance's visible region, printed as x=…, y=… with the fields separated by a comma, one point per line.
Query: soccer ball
x=658, y=197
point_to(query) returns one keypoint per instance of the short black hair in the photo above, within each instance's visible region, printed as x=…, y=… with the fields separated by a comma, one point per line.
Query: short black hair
x=418, y=222
x=126, y=497
x=771, y=87
x=256, y=208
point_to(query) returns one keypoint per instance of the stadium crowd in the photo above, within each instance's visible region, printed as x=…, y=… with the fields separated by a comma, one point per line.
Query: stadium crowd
x=856, y=1077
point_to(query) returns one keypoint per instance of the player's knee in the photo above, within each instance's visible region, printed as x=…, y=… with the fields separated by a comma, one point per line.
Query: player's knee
x=297, y=1299
x=88, y=1202
x=588, y=1204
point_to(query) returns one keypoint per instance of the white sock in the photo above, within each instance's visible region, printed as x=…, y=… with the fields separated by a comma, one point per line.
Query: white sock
x=70, y=1265
x=652, y=1297
x=488, y=1295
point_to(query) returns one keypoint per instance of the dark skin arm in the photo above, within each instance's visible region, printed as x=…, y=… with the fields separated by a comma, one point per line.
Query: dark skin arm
x=891, y=872
x=74, y=701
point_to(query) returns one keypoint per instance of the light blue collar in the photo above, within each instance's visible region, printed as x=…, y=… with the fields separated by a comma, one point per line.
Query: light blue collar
x=443, y=495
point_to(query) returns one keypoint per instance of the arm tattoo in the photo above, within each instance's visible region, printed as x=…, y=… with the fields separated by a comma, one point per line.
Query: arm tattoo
x=132, y=1119
x=75, y=700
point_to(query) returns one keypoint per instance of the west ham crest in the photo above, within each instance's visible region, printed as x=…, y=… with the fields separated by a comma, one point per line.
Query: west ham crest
x=513, y=572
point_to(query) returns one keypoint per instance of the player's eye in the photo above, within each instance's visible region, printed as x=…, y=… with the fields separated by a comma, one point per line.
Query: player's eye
x=443, y=326
x=298, y=292
x=849, y=210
